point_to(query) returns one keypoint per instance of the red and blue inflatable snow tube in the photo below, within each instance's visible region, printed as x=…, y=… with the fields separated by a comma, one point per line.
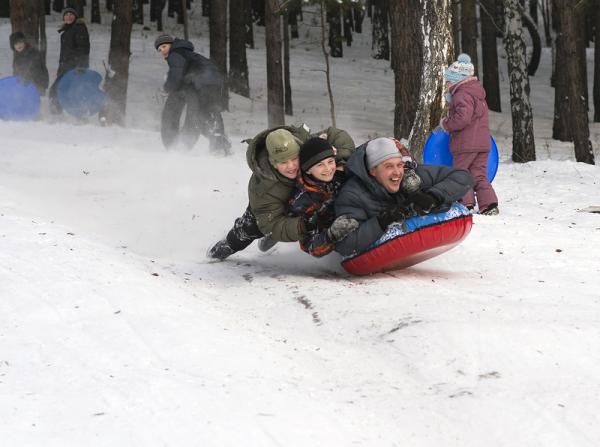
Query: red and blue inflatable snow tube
x=418, y=239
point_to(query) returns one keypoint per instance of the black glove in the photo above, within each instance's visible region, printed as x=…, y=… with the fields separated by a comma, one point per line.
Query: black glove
x=423, y=202
x=393, y=213
x=310, y=223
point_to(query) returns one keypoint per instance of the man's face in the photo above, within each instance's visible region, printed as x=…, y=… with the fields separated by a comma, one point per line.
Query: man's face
x=389, y=174
x=69, y=18
x=164, y=49
x=289, y=168
x=19, y=46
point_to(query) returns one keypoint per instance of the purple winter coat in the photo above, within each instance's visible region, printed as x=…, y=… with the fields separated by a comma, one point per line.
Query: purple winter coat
x=468, y=121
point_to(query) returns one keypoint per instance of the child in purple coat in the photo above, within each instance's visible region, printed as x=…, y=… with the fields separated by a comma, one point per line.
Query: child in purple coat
x=468, y=125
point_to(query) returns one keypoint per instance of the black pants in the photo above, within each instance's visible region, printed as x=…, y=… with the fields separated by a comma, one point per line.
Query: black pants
x=202, y=117
x=244, y=231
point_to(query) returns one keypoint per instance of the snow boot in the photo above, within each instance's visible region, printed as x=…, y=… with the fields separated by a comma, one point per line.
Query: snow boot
x=491, y=210
x=221, y=250
x=266, y=243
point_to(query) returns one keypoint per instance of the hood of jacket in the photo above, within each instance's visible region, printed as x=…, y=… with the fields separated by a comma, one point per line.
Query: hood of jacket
x=182, y=44
x=357, y=167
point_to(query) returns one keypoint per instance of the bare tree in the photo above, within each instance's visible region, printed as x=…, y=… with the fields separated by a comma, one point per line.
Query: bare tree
x=522, y=117
x=404, y=20
x=469, y=31
x=118, y=63
x=334, y=19
x=274, y=69
x=570, y=15
x=238, y=63
x=436, y=37
x=597, y=68
x=381, y=42
x=327, y=66
x=96, y=11
x=489, y=53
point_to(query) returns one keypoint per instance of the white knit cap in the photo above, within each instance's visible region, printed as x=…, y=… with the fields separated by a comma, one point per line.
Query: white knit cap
x=380, y=150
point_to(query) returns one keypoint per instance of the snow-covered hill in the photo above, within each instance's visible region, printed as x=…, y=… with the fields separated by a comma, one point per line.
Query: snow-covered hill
x=116, y=331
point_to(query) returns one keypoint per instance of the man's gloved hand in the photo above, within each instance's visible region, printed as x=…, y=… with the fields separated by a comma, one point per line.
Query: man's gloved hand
x=423, y=202
x=411, y=182
x=393, y=213
x=341, y=227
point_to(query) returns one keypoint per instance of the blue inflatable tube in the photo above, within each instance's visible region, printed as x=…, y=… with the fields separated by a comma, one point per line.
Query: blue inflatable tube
x=79, y=93
x=437, y=152
x=19, y=99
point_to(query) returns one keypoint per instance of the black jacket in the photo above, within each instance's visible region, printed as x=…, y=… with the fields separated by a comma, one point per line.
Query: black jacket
x=74, y=47
x=28, y=64
x=187, y=68
x=363, y=198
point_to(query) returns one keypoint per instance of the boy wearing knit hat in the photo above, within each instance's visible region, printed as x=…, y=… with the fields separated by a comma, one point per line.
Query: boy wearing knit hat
x=386, y=186
x=312, y=198
x=28, y=62
x=273, y=157
x=468, y=125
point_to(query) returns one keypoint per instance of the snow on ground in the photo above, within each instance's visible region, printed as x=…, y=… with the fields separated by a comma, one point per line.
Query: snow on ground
x=115, y=330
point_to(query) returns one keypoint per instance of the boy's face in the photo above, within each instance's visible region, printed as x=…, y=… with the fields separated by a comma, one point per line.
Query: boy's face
x=164, y=49
x=324, y=170
x=69, y=18
x=289, y=168
x=19, y=46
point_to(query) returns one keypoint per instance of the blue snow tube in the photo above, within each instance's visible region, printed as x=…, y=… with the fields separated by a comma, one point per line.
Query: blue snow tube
x=79, y=93
x=19, y=99
x=437, y=152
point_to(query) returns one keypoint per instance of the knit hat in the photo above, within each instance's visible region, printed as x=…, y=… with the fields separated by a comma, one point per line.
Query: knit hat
x=70, y=10
x=163, y=38
x=461, y=69
x=16, y=38
x=281, y=146
x=380, y=150
x=313, y=151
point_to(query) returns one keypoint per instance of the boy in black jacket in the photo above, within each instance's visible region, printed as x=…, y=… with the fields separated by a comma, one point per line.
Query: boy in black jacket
x=28, y=63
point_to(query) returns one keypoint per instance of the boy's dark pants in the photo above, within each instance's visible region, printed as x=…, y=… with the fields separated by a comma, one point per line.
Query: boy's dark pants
x=244, y=231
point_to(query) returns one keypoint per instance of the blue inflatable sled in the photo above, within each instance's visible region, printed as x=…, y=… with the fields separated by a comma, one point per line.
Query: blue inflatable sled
x=19, y=99
x=79, y=93
x=437, y=152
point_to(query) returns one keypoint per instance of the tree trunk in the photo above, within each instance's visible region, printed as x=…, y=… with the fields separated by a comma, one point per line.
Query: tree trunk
x=536, y=43
x=561, y=130
x=138, y=11
x=522, y=117
x=489, y=53
x=58, y=5
x=25, y=17
x=294, y=10
x=287, y=97
x=42, y=39
x=405, y=25
x=78, y=6
x=96, y=18
x=327, y=66
x=469, y=32
x=533, y=11
x=238, y=64
x=218, y=33
x=436, y=37
x=258, y=11
x=547, y=19
x=274, y=68
x=380, y=48
x=109, y=5
x=597, y=68
x=184, y=17
x=334, y=19
x=118, y=61
x=456, y=25
x=248, y=23
x=206, y=8
x=359, y=16
x=570, y=17
x=348, y=24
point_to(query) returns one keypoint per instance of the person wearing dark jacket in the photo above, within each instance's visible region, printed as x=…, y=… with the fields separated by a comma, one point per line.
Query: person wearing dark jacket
x=376, y=196
x=28, y=62
x=196, y=82
x=74, y=51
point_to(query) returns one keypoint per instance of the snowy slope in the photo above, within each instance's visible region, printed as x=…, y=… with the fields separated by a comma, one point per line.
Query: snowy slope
x=115, y=330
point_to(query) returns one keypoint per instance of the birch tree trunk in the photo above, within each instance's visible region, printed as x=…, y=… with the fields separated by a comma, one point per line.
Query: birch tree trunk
x=274, y=64
x=570, y=21
x=238, y=63
x=522, y=118
x=405, y=25
x=118, y=61
x=436, y=37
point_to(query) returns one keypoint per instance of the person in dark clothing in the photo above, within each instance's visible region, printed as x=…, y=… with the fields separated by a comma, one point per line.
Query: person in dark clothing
x=196, y=82
x=74, y=51
x=377, y=196
x=28, y=62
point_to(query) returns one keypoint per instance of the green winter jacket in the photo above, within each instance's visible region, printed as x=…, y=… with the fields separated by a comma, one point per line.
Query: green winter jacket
x=269, y=192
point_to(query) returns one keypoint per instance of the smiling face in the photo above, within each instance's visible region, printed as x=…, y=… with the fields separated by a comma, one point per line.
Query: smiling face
x=389, y=174
x=323, y=170
x=289, y=168
x=19, y=46
x=164, y=49
x=69, y=18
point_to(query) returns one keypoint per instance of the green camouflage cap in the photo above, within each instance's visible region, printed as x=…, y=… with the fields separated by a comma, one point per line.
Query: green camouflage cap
x=282, y=146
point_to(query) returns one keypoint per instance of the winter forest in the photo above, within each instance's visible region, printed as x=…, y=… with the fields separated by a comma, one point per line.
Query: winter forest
x=119, y=327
